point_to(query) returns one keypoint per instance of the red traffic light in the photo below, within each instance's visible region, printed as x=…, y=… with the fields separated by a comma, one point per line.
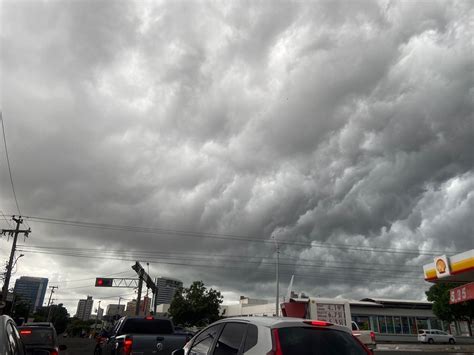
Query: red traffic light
x=103, y=282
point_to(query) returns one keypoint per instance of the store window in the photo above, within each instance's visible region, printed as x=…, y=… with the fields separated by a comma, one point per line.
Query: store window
x=397, y=322
x=413, y=327
x=382, y=324
x=436, y=324
x=390, y=327
x=422, y=323
x=405, y=325
x=362, y=322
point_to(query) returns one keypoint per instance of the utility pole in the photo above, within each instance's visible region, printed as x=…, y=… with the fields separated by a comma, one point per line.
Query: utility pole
x=49, y=301
x=96, y=318
x=277, y=305
x=139, y=295
x=12, y=232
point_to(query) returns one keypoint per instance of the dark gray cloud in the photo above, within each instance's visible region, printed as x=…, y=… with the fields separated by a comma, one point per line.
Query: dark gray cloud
x=346, y=125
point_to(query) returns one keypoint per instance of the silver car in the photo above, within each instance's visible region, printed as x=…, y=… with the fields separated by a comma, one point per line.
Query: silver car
x=431, y=336
x=10, y=342
x=273, y=336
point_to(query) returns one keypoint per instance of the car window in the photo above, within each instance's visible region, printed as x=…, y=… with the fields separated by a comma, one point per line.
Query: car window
x=147, y=326
x=37, y=336
x=251, y=338
x=230, y=339
x=203, y=342
x=310, y=341
x=13, y=339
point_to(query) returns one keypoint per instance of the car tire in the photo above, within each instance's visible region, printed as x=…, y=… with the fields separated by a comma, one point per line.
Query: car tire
x=430, y=341
x=452, y=341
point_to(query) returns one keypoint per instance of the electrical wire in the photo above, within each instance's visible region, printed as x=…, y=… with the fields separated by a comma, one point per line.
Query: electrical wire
x=226, y=237
x=366, y=276
x=8, y=163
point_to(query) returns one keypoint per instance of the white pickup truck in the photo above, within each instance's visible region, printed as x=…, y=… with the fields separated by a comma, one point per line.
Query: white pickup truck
x=329, y=310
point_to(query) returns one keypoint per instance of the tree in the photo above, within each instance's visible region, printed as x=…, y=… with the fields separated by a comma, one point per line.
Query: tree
x=59, y=316
x=439, y=295
x=196, y=305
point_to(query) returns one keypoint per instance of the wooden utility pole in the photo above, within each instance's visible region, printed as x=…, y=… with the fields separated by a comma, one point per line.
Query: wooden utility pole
x=12, y=232
x=49, y=301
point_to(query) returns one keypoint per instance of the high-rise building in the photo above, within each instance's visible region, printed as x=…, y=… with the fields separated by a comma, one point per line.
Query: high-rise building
x=114, y=309
x=84, y=308
x=166, y=289
x=31, y=290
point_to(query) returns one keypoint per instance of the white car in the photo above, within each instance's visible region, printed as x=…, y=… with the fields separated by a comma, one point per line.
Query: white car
x=431, y=336
x=273, y=336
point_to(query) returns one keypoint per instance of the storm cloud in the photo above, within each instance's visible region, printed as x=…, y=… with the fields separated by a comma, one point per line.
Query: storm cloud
x=343, y=130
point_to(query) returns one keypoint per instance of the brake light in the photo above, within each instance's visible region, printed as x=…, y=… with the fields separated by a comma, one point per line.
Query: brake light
x=127, y=346
x=318, y=323
x=372, y=336
x=149, y=318
x=276, y=347
x=53, y=352
x=25, y=332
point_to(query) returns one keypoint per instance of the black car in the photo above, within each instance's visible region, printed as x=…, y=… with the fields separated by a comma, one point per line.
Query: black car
x=40, y=340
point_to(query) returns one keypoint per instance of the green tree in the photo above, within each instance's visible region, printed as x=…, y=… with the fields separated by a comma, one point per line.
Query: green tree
x=196, y=305
x=439, y=295
x=59, y=316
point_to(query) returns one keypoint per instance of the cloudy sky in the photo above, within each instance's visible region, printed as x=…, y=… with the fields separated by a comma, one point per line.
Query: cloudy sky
x=192, y=134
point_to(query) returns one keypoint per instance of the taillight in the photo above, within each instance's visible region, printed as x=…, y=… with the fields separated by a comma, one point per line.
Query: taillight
x=372, y=336
x=276, y=346
x=53, y=352
x=318, y=323
x=149, y=318
x=25, y=332
x=127, y=346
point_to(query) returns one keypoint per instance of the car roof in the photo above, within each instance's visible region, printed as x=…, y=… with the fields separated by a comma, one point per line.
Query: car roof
x=278, y=322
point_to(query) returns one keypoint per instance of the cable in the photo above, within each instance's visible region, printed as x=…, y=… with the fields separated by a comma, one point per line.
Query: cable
x=206, y=256
x=187, y=257
x=6, y=220
x=365, y=276
x=8, y=163
x=227, y=237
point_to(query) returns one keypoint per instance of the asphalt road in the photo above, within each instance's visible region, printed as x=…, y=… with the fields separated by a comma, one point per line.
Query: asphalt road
x=78, y=346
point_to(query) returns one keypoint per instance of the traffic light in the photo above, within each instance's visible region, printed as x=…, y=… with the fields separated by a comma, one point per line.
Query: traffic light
x=103, y=282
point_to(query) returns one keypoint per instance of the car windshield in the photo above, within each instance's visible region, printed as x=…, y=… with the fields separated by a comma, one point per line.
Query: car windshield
x=318, y=341
x=147, y=326
x=37, y=336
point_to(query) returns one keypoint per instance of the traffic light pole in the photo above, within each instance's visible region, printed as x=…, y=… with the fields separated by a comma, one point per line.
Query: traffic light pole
x=139, y=295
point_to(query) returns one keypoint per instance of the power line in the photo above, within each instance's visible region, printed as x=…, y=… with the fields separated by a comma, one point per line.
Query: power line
x=139, y=254
x=349, y=277
x=8, y=163
x=227, y=237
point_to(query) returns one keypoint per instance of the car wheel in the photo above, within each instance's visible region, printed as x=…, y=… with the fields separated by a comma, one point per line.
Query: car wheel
x=452, y=341
x=430, y=341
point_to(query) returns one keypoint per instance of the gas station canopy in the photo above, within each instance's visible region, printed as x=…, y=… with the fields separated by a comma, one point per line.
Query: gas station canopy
x=457, y=269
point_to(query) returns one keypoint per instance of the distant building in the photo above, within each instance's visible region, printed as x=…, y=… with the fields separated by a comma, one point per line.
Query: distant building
x=31, y=290
x=130, y=311
x=166, y=289
x=114, y=309
x=84, y=308
x=144, y=307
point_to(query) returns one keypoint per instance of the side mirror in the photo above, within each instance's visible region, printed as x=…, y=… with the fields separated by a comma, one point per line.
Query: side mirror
x=62, y=347
x=178, y=352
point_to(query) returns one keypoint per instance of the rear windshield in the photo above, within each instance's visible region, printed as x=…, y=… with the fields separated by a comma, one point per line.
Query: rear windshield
x=147, y=326
x=37, y=336
x=318, y=341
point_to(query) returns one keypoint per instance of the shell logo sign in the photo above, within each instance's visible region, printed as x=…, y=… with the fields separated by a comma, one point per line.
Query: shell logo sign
x=442, y=266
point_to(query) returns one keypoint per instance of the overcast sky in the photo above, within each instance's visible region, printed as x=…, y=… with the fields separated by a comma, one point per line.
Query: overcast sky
x=342, y=129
